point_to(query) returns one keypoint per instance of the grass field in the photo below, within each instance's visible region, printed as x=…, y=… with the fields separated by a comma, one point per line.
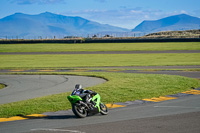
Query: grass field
x=100, y=47
x=120, y=87
x=61, y=61
x=2, y=86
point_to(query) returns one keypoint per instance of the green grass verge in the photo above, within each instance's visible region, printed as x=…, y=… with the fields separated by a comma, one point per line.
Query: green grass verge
x=168, y=69
x=52, y=61
x=120, y=87
x=56, y=47
x=2, y=86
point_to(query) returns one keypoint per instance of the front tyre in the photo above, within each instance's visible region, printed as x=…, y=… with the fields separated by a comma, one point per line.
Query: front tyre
x=103, y=109
x=79, y=111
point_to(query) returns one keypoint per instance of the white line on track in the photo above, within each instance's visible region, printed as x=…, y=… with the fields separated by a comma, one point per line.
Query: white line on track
x=56, y=130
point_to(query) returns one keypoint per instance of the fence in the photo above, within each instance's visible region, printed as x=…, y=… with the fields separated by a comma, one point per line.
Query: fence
x=98, y=35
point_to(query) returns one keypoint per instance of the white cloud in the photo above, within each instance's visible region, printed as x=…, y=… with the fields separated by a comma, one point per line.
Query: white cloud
x=135, y=11
x=183, y=11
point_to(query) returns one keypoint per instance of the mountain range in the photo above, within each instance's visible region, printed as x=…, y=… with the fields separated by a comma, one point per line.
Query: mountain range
x=49, y=24
x=171, y=23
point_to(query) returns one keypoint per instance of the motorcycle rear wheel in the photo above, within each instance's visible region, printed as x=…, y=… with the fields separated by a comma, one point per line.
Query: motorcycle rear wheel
x=79, y=111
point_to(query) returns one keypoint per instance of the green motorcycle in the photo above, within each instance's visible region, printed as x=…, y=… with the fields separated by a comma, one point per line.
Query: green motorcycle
x=81, y=108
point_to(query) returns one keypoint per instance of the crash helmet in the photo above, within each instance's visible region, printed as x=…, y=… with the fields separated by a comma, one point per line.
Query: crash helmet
x=78, y=87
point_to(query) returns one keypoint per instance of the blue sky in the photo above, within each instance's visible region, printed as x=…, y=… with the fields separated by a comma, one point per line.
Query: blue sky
x=122, y=13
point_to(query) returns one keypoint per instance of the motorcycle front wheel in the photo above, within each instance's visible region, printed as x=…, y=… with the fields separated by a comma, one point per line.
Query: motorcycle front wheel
x=103, y=109
x=79, y=111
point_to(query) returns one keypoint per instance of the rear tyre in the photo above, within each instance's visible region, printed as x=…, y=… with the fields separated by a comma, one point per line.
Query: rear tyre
x=79, y=111
x=103, y=109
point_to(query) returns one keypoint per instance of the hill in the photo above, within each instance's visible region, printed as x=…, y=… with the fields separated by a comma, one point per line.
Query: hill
x=172, y=23
x=174, y=34
x=49, y=24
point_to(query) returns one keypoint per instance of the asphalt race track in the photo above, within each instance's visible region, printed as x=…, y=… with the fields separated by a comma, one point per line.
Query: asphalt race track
x=181, y=115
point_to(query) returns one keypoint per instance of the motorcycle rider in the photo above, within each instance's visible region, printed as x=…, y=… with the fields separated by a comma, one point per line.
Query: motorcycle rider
x=86, y=95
